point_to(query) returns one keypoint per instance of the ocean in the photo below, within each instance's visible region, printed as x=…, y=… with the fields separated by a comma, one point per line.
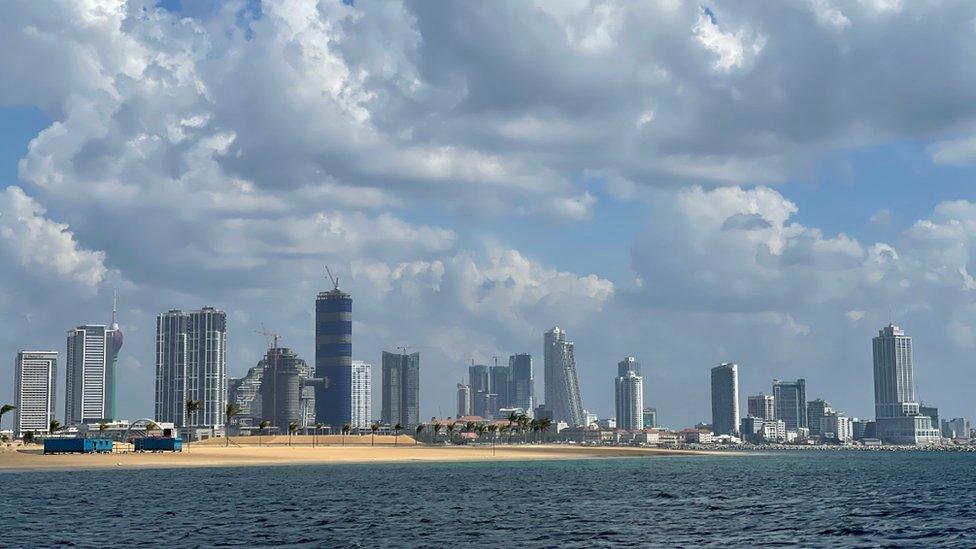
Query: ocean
x=809, y=499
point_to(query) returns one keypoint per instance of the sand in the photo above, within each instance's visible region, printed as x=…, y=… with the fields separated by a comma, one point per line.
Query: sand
x=247, y=452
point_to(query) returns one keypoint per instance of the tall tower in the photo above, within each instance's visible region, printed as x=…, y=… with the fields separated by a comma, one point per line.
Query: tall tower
x=113, y=345
x=401, y=389
x=464, y=400
x=897, y=416
x=191, y=364
x=362, y=391
x=35, y=387
x=629, y=393
x=562, y=385
x=523, y=392
x=333, y=356
x=90, y=365
x=725, y=399
x=790, y=399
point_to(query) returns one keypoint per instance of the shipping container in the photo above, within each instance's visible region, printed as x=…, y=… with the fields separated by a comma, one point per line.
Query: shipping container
x=77, y=445
x=159, y=444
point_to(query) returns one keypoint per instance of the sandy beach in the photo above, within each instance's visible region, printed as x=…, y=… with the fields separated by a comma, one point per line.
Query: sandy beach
x=247, y=451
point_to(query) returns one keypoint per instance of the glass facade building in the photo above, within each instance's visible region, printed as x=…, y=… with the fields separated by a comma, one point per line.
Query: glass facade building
x=725, y=399
x=333, y=358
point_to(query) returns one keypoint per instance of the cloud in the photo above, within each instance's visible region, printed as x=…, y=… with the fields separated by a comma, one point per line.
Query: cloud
x=732, y=50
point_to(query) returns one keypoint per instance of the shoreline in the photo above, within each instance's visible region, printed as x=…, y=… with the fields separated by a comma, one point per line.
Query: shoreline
x=32, y=459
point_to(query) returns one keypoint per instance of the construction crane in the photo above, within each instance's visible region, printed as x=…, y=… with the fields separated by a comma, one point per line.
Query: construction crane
x=333, y=279
x=273, y=339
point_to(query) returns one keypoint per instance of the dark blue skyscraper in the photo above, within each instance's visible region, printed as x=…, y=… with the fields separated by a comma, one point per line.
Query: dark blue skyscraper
x=333, y=357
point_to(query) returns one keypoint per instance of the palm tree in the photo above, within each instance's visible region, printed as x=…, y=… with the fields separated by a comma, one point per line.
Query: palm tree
x=28, y=437
x=374, y=427
x=534, y=425
x=437, y=430
x=192, y=406
x=502, y=429
x=4, y=409
x=54, y=426
x=450, y=431
x=315, y=433
x=481, y=428
x=292, y=429
x=492, y=429
x=262, y=427
x=523, y=421
x=544, y=424
x=470, y=426
x=229, y=412
x=150, y=427
x=396, y=433
x=418, y=430
x=345, y=431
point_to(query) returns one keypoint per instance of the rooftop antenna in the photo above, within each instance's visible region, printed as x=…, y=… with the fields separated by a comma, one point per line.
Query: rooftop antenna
x=334, y=280
x=115, y=306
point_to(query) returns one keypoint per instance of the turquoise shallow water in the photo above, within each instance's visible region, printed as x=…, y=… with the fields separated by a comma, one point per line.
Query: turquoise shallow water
x=809, y=499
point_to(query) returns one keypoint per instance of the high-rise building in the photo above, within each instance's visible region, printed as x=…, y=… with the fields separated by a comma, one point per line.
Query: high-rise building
x=464, y=400
x=35, y=390
x=90, y=366
x=897, y=416
x=958, y=427
x=835, y=426
x=522, y=391
x=500, y=379
x=761, y=406
x=562, y=384
x=628, y=364
x=333, y=357
x=401, y=389
x=287, y=392
x=725, y=399
x=932, y=412
x=480, y=381
x=650, y=418
x=191, y=364
x=245, y=393
x=790, y=398
x=629, y=398
x=362, y=391
x=817, y=409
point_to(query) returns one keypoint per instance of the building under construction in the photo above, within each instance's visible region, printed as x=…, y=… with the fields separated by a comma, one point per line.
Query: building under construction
x=280, y=389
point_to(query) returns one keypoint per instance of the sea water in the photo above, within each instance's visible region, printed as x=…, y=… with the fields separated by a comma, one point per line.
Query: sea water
x=910, y=499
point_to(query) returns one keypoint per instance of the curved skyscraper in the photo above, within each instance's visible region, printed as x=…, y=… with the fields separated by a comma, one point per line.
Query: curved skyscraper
x=562, y=385
x=333, y=357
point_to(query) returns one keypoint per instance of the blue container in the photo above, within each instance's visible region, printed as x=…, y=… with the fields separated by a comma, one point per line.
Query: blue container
x=159, y=444
x=77, y=445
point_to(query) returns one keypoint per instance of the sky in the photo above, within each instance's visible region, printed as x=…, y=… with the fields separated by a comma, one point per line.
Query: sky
x=688, y=183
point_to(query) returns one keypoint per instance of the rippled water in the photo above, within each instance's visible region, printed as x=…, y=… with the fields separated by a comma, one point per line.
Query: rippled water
x=804, y=498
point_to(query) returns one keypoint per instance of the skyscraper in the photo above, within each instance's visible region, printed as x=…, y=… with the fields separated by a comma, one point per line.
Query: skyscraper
x=401, y=389
x=287, y=394
x=725, y=399
x=523, y=391
x=501, y=384
x=362, y=394
x=333, y=357
x=191, y=364
x=90, y=366
x=897, y=416
x=562, y=385
x=35, y=390
x=464, y=400
x=629, y=398
x=817, y=410
x=790, y=398
x=480, y=376
x=761, y=406
x=628, y=364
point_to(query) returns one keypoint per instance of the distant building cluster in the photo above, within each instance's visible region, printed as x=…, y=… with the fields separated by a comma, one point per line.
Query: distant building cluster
x=193, y=392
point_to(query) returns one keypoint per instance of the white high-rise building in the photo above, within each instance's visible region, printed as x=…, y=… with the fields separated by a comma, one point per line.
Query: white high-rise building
x=897, y=416
x=761, y=406
x=362, y=387
x=35, y=387
x=191, y=364
x=629, y=391
x=725, y=399
x=562, y=385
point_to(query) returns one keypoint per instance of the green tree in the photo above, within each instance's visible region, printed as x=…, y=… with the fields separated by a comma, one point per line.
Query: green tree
x=470, y=426
x=28, y=437
x=345, y=431
x=192, y=406
x=292, y=429
x=544, y=424
x=3, y=410
x=374, y=427
x=419, y=429
x=396, y=433
x=261, y=429
x=230, y=411
x=492, y=430
x=450, y=431
x=315, y=433
x=437, y=430
x=54, y=426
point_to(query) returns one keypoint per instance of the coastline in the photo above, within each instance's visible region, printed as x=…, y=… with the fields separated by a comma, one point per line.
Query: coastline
x=31, y=458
